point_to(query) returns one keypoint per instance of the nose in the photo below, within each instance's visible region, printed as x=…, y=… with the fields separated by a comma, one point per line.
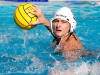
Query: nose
x=58, y=24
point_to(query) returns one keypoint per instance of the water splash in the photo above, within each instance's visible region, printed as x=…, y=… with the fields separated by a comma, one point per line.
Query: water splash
x=84, y=69
x=37, y=67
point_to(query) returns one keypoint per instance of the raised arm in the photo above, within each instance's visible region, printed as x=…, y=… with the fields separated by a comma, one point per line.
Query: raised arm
x=41, y=18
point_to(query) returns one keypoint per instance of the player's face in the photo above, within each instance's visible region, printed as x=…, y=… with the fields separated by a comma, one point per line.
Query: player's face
x=61, y=27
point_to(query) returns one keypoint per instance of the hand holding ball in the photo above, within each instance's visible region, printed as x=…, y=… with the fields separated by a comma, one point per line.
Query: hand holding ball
x=22, y=16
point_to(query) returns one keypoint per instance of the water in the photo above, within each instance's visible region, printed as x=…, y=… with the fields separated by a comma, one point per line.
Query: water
x=28, y=52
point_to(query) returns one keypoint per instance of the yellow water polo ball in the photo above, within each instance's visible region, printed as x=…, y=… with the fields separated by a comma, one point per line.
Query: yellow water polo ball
x=22, y=16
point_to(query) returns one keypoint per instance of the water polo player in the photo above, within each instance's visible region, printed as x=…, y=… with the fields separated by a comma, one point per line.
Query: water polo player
x=62, y=26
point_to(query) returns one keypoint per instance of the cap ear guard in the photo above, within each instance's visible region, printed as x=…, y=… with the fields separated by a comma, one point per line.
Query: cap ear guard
x=73, y=25
x=52, y=28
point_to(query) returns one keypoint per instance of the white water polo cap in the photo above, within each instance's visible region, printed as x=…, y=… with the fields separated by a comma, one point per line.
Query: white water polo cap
x=66, y=14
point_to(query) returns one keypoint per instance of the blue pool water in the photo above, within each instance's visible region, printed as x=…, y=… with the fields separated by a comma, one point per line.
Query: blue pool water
x=25, y=52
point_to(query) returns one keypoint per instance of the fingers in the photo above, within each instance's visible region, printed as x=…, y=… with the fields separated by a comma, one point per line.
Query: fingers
x=38, y=13
x=34, y=13
x=36, y=8
x=33, y=23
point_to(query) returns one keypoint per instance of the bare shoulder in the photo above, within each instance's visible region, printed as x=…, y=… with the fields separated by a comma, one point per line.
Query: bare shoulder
x=76, y=42
x=73, y=43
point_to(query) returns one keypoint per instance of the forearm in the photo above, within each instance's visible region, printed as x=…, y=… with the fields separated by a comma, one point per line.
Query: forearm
x=47, y=24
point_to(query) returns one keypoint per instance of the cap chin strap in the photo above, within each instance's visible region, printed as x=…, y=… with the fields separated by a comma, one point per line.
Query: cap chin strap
x=59, y=45
x=63, y=37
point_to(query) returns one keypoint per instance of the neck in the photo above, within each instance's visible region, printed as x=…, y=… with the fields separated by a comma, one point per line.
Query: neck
x=63, y=38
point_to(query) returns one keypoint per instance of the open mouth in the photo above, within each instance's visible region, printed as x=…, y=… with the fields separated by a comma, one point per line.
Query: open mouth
x=58, y=30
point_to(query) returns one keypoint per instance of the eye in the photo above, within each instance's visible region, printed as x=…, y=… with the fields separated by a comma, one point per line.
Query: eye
x=63, y=21
x=55, y=21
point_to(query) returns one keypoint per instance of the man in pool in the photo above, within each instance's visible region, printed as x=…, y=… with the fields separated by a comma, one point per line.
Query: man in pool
x=62, y=26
